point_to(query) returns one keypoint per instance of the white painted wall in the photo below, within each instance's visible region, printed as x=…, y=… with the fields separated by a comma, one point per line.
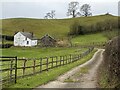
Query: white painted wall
x=34, y=42
x=21, y=40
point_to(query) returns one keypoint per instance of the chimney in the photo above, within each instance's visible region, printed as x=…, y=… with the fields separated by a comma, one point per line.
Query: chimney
x=23, y=30
x=31, y=33
x=15, y=32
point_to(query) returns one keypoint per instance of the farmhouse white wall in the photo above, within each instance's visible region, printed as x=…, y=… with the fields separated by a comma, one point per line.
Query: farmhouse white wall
x=21, y=40
x=34, y=42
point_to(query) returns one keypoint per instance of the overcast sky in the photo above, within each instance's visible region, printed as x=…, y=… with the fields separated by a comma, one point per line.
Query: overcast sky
x=38, y=8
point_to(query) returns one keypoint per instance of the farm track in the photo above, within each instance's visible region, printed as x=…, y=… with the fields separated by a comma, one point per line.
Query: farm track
x=86, y=80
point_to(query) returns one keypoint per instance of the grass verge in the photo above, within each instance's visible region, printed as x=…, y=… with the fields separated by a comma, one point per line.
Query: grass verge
x=47, y=76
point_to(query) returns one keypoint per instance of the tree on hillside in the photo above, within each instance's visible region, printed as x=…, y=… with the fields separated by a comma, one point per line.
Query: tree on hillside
x=85, y=9
x=76, y=29
x=50, y=15
x=72, y=9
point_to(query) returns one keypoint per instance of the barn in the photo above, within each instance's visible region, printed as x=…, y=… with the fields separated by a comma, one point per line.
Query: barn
x=47, y=41
x=24, y=39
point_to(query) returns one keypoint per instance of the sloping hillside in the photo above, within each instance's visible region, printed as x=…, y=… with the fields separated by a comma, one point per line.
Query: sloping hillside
x=56, y=27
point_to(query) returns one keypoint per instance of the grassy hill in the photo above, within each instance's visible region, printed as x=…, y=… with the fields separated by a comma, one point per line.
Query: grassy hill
x=58, y=28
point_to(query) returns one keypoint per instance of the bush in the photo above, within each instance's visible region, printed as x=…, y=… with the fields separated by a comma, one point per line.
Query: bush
x=5, y=45
x=106, y=25
x=76, y=29
x=111, y=34
x=6, y=37
x=112, y=62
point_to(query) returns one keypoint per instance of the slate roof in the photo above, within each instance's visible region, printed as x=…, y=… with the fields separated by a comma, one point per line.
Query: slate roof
x=28, y=35
x=48, y=36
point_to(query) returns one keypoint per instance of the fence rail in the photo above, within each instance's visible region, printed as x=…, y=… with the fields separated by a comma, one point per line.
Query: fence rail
x=44, y=64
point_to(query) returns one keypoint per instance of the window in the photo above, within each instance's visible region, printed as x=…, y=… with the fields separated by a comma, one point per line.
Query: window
x=27, y=42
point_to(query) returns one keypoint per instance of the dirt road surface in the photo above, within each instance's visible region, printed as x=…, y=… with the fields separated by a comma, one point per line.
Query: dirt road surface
x=84, y=80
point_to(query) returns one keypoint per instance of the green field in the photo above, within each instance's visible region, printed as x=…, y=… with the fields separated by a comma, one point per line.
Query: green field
x=89, y=38
x=35, y=52
x=57, y=28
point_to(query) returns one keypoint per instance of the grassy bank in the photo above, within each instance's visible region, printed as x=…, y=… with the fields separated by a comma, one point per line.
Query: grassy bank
x=42, y=78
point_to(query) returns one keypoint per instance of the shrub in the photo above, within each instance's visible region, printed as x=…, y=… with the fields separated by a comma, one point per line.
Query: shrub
x=5, y=45
x=111, y=34
x=6, y=37
x=112, y=62
x=76, y=29
x=106, y=25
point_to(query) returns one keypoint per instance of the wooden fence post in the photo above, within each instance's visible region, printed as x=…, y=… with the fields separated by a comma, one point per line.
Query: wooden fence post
x=52, y=62
x=60, y=60
x=56, y=61
x=89, y=50
x=11, y=69
x=63, y=60
x=70, y=58
x=47, y=63
x=40, y=64
x=74, y=57
x=34, y=66
x=66, y=59
x=24, y=65
x=78, y=57
x=16, y=69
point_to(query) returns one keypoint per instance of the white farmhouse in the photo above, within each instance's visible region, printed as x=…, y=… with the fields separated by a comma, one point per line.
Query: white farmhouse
x=24, y=39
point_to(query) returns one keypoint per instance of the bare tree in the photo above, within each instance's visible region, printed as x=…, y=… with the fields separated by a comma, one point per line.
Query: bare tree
x=53, y=14
x=85, y=9
x=50, y=15
x=72, y=10
x=45, y=17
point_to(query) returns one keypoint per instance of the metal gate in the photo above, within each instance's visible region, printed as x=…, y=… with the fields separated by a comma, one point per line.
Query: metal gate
x=8, y=70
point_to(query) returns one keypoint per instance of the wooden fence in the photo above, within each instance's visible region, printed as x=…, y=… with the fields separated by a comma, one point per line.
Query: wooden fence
x=6, y=45
x=46, y=63
x=37, y=65
x=8, y=70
